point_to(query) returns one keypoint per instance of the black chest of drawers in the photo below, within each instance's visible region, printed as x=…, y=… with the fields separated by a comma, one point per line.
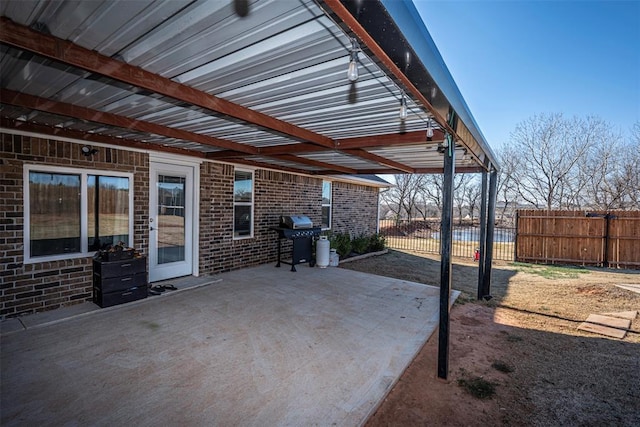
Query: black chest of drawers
x=117, y=282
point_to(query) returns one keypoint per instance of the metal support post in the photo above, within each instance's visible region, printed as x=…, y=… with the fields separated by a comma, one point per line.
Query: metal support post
x=483, y=234
x=491, y=220
x=446, y=229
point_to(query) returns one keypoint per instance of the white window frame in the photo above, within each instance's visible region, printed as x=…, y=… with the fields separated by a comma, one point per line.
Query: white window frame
x=251, y=204
x=84, y=210
x=329, y=205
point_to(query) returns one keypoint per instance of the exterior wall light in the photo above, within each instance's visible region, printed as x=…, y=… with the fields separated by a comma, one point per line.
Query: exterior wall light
x=89, y=151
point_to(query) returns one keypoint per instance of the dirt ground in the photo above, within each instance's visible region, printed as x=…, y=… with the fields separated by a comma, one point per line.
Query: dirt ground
x=524, y=345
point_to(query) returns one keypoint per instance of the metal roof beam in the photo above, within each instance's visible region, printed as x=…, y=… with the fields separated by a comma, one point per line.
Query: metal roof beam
x=407, y=138
x=268, y=166
x=421, y=171
x=317, y=163
x=82, y=113
x=381, y=160
x=69, y=53
x=232, y=155
x=291, y=149
x=226, y=154
x=417, y=137
x=93, y=137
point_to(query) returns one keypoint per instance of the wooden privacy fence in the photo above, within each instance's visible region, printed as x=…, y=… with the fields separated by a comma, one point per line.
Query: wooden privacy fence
x=601, y=238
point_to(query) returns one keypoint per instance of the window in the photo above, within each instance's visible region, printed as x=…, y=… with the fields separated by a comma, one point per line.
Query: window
x=326, y=204
x=243, y=204
x=70, y=213
x=54, y=213
x=108, y=211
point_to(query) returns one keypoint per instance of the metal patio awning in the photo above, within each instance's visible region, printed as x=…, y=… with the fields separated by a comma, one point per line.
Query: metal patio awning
x=266, y=88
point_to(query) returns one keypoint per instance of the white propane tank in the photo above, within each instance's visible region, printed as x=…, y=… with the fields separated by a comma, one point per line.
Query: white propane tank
x=322, y=252
x=334, y=258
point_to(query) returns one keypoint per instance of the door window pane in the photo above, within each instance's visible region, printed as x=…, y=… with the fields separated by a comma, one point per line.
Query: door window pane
x=54, y=213
x=171, y=225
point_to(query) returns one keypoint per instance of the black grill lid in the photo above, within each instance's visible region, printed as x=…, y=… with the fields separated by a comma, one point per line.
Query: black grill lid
x=295, y=221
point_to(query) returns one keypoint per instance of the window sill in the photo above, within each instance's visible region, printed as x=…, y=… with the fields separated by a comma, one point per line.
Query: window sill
x=62, y=257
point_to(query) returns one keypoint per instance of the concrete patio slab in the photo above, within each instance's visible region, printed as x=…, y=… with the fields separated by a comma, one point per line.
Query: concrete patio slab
x=261, y=346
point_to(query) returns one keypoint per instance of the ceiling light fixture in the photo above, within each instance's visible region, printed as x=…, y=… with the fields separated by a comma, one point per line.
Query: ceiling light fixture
x=403, y=108
x=352, y=73
x=429, y=131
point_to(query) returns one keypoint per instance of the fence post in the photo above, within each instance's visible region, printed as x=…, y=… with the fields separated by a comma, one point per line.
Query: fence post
x=607, y=217
x=515, y=237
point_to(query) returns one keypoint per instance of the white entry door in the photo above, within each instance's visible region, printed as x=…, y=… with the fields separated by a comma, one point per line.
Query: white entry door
x=171, y=218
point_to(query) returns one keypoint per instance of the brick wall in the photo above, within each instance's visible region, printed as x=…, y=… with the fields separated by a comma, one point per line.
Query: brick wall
x=28, y=288
x=275, y=193
x=355, y=209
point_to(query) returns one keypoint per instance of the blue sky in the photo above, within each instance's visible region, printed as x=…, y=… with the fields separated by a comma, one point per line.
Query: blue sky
x=514, y=59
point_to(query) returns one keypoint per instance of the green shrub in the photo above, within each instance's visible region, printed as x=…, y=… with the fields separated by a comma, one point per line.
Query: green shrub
x=341, y=242
x=376, y=243
x=360, y=244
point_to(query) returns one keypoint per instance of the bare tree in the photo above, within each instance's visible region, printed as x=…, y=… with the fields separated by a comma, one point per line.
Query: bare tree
x=430, y=193
x=606, y=187
x=403, y=197
x=472, y=194
x=463, y=187
x=549, y=150
x=507, y=194
x=631, y=169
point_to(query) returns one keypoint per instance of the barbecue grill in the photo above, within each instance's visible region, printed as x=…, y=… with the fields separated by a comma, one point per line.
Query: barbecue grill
x=300, y=230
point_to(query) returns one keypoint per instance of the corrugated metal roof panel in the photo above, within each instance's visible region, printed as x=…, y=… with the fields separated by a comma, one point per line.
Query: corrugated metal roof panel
x=286, y=59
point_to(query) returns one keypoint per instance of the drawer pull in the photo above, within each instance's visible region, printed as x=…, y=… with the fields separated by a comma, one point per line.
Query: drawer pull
x=126, y=293
x=125, y=279
x=125, y=265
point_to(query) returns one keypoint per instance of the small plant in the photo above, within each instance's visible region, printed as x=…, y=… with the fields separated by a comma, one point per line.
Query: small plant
x=377, y=243
x=501, y=366
x=360, y=244
x=478, y=387
x=341, y=242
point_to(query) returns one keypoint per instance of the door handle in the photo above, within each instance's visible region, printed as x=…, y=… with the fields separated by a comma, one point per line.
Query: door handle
x=151, y=228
